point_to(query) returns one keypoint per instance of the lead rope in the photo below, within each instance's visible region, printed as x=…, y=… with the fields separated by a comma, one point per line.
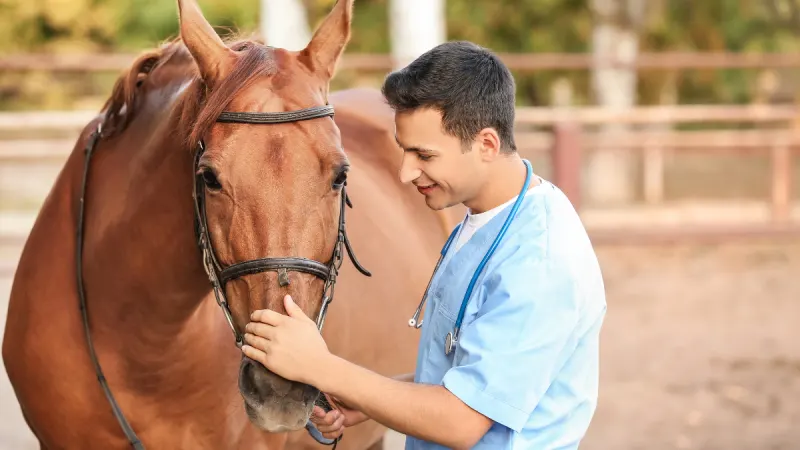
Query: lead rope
x=126, y=427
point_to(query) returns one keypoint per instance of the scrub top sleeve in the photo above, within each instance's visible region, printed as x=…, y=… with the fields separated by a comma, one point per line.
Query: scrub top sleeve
x=520, y=339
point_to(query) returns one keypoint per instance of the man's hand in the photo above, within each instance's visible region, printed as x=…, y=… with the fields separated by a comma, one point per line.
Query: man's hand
x=290, y=346
x=332, y=424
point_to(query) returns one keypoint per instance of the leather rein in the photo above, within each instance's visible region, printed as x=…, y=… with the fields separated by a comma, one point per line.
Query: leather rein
x=218, y=276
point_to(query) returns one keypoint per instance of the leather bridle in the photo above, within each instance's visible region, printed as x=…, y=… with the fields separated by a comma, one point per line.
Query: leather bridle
x=218, y=275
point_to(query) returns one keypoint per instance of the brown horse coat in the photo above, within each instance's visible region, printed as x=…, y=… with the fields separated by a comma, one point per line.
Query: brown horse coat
x=163, y=342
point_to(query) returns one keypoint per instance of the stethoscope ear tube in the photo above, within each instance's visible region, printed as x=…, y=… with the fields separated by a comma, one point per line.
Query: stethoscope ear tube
x=415, y=321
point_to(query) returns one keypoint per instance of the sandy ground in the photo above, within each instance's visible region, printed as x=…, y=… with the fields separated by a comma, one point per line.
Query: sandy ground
x=700, y=350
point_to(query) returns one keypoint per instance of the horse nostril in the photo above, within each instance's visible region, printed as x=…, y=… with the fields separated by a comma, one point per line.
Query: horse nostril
x=257, y=381
x=247, y=379
x=310, y=394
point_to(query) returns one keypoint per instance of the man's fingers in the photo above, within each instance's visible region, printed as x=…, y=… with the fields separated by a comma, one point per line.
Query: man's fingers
x=255, y=354
x=267, y=316
x=332, y=435
x=256, y=343
x=260, y=329
x=318, y=412
x=320, y=418
x=335, y=427
x=325, y=423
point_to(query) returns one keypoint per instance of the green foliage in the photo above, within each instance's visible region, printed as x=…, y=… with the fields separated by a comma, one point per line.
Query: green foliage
x=542, y=26
x=713, y=26
x=515, y=26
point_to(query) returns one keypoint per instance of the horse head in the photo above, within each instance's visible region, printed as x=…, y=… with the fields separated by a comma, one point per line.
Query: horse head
x=269, y=188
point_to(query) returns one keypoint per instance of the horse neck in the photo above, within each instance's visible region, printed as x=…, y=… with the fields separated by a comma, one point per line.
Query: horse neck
x=141, y=255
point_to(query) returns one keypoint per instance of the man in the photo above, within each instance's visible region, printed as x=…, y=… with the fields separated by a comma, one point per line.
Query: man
x=522, y=370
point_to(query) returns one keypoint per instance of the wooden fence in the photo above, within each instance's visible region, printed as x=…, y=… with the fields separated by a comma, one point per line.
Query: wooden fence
x=565, y=135
x=522, y=62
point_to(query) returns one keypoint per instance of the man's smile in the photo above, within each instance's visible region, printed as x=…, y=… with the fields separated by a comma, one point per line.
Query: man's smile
x=426, y=189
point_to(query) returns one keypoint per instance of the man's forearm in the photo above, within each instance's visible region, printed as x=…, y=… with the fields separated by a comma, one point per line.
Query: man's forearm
x=423, y=411
x=406, y=377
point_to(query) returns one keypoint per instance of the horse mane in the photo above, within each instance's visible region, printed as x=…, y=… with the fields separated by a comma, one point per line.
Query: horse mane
x=198, y=108
x=121, y=106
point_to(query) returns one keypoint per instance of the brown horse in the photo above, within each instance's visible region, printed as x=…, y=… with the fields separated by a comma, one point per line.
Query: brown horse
x=269, y=190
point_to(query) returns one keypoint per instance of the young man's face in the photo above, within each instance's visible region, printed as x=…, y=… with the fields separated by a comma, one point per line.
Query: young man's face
x=435, y=162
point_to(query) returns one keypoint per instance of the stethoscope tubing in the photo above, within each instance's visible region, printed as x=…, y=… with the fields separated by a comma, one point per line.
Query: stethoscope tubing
x=453, y=335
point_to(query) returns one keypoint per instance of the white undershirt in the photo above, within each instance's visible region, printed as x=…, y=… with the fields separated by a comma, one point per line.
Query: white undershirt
x=475, y=221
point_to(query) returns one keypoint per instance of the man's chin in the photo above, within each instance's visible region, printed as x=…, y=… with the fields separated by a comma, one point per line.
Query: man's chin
x=436, y=204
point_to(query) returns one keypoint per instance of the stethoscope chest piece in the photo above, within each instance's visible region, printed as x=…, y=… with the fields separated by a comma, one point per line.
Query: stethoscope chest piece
x=449, y=343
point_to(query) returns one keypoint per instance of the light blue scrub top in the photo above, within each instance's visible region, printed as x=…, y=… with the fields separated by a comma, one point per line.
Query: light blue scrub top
x=527, y=355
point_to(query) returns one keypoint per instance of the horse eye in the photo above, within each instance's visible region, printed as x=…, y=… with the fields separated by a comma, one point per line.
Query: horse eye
x=341, y=178
x=210, y=179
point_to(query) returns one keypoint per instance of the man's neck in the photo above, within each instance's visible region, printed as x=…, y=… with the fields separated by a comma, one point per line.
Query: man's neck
x=505, y=180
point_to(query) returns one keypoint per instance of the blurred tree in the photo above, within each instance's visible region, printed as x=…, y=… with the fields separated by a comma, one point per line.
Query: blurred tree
x=785, y=13
x=713, y=25
x=540, y=26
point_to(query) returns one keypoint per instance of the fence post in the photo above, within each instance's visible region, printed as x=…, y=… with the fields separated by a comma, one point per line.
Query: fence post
x=781, y=181
x=566, y=158
x=653, y=173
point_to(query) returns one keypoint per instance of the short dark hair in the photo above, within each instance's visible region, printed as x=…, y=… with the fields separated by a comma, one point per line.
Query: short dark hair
x=468, y=84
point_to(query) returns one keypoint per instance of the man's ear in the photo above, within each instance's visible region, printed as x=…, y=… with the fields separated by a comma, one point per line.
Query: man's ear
x=489, y=143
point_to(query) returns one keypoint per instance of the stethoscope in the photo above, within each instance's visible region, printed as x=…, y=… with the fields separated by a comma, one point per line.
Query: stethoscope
x=452, y=336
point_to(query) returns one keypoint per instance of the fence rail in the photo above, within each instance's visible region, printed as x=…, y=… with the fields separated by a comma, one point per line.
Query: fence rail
x=566, y=135
x=525, y=116
x=522, y=62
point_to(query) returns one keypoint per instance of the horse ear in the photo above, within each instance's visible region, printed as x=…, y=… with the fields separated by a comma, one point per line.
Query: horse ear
x=212, y=56
x=328, y=42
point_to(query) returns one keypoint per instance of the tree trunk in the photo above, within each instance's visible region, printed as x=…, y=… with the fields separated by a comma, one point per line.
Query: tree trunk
x=284, y=24
x=416, y=27
x=610, y=173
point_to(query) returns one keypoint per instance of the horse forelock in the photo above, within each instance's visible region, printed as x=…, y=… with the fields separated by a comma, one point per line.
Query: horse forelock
x=202, y=107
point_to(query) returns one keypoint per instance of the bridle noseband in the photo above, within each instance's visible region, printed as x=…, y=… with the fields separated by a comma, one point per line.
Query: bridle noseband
x=217, y=275
x=220, y=276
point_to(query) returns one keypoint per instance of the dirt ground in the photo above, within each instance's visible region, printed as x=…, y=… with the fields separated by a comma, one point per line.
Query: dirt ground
x=700, y=350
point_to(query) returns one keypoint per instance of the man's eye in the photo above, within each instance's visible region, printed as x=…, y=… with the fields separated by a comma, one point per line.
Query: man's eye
x=423, y=157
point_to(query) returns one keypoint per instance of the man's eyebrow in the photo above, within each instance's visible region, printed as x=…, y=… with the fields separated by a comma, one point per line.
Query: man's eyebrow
x=411, y=149
x=398, y=142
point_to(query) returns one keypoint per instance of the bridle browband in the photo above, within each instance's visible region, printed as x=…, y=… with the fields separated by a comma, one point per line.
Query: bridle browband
x=218, y=275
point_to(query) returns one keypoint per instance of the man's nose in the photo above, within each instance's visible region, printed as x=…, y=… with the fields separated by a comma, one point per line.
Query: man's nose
x=408, y=170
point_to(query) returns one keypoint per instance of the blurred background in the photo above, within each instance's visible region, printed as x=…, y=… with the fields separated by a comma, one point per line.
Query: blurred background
x=671, y=124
